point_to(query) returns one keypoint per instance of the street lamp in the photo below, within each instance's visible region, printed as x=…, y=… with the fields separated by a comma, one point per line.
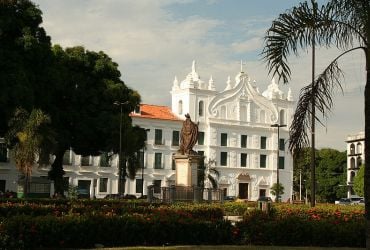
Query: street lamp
x=120, y=177
x=142, y=168
x=278, y=126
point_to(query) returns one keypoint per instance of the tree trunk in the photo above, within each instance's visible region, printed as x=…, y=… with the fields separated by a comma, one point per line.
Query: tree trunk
x=124, y=174
x=56, y=173
x=367, y=149
x=26, y=185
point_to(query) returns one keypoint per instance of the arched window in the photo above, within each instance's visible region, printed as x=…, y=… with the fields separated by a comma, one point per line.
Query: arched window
x=262, y=116
x=359, y=148
x=352, y=149
x=353, y=162
x=352, y=177
x=223, y=112
x=180, y=107
x=282, y=117
x=359, y=161
x=201, y=108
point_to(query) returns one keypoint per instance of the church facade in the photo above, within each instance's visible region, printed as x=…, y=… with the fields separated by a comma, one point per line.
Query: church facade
x=236, y=134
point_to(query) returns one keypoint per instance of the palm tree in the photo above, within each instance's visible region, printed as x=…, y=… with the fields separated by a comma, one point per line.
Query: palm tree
x=277, y=189
x=208, y=174
x=27, y=136
x=344, y=24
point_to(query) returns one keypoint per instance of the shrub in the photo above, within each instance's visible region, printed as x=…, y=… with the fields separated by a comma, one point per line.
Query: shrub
x=303, y=226
x=85, y=231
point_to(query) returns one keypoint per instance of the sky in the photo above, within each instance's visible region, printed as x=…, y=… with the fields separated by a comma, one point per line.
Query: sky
x=155, y=40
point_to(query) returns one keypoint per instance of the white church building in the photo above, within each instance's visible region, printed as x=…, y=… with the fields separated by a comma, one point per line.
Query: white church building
x=234, y=130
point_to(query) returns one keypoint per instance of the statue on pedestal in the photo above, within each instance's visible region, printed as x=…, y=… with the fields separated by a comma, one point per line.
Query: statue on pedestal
x=188, y=137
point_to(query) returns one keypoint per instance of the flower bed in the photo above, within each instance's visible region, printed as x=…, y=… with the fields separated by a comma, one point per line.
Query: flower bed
x=111, y=230
x=28, y=224
x=291, y=225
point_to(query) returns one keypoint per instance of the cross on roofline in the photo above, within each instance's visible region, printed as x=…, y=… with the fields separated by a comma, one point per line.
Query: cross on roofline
x=241, y=65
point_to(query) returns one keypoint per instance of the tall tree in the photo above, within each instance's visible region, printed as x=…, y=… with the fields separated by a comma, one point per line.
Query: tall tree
x=358, y=185
x=28, y=134
x=331, y=174
x=344, y=24
x=24, y=57
x=80, y=103
x=301, y=171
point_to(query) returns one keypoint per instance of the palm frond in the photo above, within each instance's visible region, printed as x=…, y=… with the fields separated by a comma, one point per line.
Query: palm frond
x=322, y=91
x=296, y=28
x=213, y=180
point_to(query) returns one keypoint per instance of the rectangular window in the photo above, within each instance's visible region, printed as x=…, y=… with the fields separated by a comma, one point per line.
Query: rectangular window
x=139, y=186
x=243, y=160
x=223, y=139
x=158, y=137
x=103, y=185
x=141, y=159
x=173, y=164
x=223, y=158
x=85, y=161
x=263, y=161
x=243, y=141
x=281, y=162
x=39, y=188
x=3, y=153
x=2, y=185
x=67, y=158
x=201, y=138
x=157, y=186
x=104, y=160
x=175, y=138
x=201, y=153
x=282, y=144
x=158, y=160
x=263, y=142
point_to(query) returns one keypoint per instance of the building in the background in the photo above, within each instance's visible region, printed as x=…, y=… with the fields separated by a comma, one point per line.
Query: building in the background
x=235, y=131
x=355, y=158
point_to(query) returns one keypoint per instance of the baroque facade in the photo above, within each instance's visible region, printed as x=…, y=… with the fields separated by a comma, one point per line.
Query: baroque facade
x=235, y=132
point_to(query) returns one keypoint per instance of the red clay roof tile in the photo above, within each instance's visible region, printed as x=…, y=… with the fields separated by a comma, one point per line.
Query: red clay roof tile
x=155, y=112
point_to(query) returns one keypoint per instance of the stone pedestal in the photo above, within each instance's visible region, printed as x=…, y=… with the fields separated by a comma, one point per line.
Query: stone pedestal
x=187, y=169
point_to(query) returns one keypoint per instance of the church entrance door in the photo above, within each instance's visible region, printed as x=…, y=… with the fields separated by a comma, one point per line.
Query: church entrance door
x=243, y=190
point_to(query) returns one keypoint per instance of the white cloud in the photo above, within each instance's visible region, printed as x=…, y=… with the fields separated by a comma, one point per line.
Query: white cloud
x=247, y=46
x=152, y=45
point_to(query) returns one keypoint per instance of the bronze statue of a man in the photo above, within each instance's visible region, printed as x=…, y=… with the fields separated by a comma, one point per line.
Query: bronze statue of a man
x=189, y=136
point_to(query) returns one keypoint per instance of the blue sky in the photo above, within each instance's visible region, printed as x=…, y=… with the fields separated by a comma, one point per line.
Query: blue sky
x=155, y=40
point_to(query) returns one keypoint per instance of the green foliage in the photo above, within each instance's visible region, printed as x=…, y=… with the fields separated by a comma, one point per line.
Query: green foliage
x=86, y=84
x=74, y=86
x=25, y=57
x=304, y=226
x=28, y=135
x=358, y=185
x=72, y=192
x=330, y=173
x=275, y=188
x=207, y=173
x=235, y=208
x=46, y=223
